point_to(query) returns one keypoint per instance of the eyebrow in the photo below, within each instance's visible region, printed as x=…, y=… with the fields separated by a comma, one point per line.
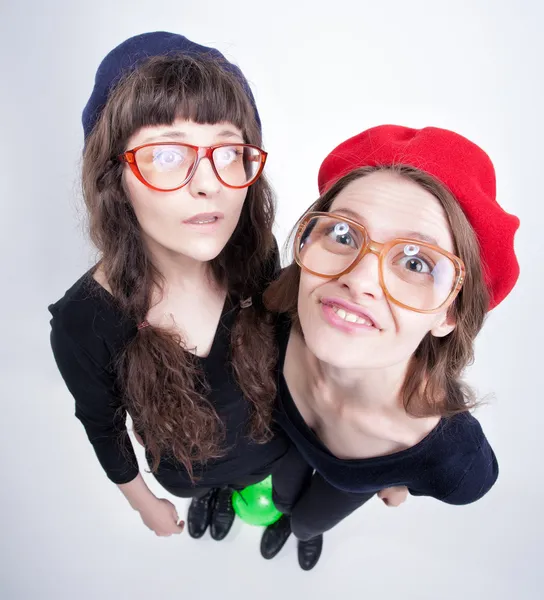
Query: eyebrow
x=176, y=134
x=228, y=133
x=414, y=235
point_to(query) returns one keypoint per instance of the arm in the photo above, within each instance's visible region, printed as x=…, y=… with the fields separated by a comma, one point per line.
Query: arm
x=465, y=467
x=100, y=411
x=479, y=477
x=393, y=496
x=97, y=405
x=158, y=514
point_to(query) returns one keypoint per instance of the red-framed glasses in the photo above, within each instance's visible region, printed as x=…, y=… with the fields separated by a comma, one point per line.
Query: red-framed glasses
x=168, y=166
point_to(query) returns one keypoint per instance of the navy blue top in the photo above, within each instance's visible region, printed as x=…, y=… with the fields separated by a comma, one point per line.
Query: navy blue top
x=88, y=332
x=453, y=463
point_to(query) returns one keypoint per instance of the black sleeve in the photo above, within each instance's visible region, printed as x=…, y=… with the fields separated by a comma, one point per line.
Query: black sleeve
x=97, y=405
x=478, y=478
x=465, y=477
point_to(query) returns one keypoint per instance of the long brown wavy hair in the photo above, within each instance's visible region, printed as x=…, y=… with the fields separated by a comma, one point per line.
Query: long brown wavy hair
x=433, y=384
x=163, y=387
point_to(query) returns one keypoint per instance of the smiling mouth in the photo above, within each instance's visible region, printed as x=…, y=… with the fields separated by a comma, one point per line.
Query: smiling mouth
x=341, y=313
x=351, y=317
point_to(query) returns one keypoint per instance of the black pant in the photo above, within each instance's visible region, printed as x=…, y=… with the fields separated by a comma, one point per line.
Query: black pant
x=198, y=491
x=314, y=505
x=321, y=507
x=291, y=466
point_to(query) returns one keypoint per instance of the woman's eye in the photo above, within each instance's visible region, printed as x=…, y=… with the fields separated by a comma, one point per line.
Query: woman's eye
x=223, y=157
x=416, y=265
x=342, y=234
x=167, y=159
x=413, y=262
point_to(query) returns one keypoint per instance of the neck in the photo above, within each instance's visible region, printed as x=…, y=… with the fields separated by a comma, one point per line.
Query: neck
x=179, y=271
x=372, y=389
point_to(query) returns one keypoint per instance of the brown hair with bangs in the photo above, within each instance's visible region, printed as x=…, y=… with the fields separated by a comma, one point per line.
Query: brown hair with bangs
x=163, y=388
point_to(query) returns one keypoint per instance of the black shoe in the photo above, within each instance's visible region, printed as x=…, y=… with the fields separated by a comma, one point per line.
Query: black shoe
x=309, y=552
x=275, y=536
x=200, y=514
x=222, y=515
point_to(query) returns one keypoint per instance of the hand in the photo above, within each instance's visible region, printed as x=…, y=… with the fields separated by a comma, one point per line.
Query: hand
x=161, y=516
x=393, y=496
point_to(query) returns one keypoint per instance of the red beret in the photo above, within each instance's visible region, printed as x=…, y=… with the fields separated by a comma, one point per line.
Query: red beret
x=464, y=168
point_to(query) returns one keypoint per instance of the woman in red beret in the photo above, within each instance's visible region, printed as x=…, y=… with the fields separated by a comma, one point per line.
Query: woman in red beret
x=396, y=266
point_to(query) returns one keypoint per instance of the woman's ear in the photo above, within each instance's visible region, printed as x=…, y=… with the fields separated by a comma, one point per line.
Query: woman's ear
x=444, y=325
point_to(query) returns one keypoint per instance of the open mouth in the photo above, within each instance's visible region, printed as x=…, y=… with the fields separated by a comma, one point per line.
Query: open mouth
x=351, y=317
x=204, y=219
x=341, y=314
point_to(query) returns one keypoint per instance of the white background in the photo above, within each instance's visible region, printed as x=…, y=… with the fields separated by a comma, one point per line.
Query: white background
x=321, y=71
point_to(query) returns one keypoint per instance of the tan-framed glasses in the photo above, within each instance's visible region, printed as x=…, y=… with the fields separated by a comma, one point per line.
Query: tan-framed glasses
x=413, y=274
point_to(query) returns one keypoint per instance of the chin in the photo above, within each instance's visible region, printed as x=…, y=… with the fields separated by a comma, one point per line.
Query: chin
x=205, y=255
x=202, y=251
x=341, y=352
x=339, y=358
x=327, y=350
x=342, y=356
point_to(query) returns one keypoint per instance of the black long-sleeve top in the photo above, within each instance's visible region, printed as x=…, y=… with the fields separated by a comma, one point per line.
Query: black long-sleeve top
x=453, y=463
x=87, y=334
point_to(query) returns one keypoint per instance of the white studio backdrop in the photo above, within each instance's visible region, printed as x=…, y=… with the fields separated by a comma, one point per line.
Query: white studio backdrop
x=321, y=72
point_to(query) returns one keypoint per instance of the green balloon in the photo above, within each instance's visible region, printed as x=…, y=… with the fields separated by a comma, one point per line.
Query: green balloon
x=254, y=504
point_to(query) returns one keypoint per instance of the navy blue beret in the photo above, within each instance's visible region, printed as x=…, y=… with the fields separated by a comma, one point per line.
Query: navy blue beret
x=130, y=53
